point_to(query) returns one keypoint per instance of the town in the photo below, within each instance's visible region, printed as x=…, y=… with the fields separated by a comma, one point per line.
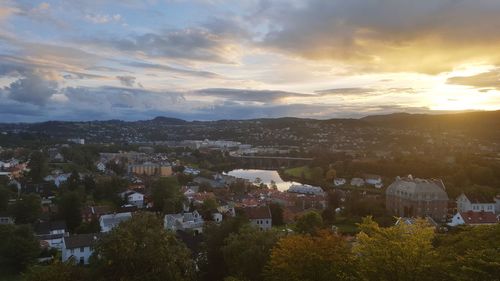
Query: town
x=74, y=193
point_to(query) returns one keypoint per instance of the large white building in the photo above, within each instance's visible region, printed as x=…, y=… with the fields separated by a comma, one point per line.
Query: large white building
x=259, y=217
x=79, y=247
x=475, y=203
x=306, y=189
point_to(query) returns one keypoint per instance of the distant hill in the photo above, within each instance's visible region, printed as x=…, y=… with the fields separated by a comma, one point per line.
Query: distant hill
x=168, y=120
x=481, y=123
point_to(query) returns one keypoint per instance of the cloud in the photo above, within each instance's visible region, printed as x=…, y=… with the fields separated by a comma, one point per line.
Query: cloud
x=346, y=91
x=190, y=72
x=263, y=96
x=420, y=36
x=485, y=80
x=103, y=18
x=32, y=88
x=188, y=44
x=126, y=80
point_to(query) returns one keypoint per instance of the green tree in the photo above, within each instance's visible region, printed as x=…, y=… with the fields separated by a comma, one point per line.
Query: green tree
x=4, y=198
x=18, y=247
x=141, y=249
x=70, y=209
x=310, y=223
x=246, y=252
x=73, y=181
x=402, y=252
x=276, y=214
x=38, y=166
x=57, y=271
x=325, y=257
x=470, y=253
x=27, y=209
x=167, y=196
x=207, y=207
x=212, y=264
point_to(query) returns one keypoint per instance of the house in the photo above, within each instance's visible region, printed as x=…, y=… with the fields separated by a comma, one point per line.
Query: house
x=259, y=216
x=101, y=167
x=51, y=232
x=475, y=203
x=374, y=180
x=339, y=181
x=79, y=247
x=6, y=219
x=133, y=198
x=414, y=197
x=474, y=218
x=358, y=182
x=151, y=169
x=184, y=221
x=108, y=222
x=91, y=213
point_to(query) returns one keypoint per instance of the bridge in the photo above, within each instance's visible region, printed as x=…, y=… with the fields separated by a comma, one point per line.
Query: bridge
x=270, y=162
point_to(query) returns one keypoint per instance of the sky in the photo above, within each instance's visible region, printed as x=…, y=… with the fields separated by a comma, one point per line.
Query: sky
x=225, y=59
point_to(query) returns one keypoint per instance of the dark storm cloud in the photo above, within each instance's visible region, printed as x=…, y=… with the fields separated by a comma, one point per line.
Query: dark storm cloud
x=485, y=80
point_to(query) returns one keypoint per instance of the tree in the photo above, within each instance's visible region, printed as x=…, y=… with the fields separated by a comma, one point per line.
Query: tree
x=317, y=174
x=276, y=214
x=141, y=249
x=207, y=207
x=57, y=271
x=470, y=253
x=325, y=257
x=89, y=184
x=18, y=247
x=38, y=166
x=331, y=175
x=4, y=198
x=70, y=209
x=27, y=209
x=167, y=196
x=246, y=252
x=310, y=223
x=402, y=252
x=73, y=181
x=212, y=264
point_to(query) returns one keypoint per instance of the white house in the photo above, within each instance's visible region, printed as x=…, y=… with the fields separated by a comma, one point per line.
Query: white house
x=184, y=221
x=217, y=217
x=101, y=167
x=259, y=217
x=374, y=180
x=108, y=222
x=133, y=198
x=473, y=218
x=339, y=181
x=79, y=247
x=51, y=232
x=475, y=203
x=358, y=182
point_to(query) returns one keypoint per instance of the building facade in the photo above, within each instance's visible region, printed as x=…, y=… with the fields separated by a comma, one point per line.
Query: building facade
x=409, y=197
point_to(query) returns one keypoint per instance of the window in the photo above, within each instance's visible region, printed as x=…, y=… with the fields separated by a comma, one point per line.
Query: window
x=82, y=260
x=81, y=249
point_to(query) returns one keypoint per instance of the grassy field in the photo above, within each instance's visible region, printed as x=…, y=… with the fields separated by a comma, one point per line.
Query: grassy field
x=299, y=171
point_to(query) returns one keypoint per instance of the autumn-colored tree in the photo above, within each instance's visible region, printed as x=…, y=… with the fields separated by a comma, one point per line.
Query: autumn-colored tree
x=325, y=257
x=246, y=252
x=141, y=249
x=331, y=175
x=402, y=252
